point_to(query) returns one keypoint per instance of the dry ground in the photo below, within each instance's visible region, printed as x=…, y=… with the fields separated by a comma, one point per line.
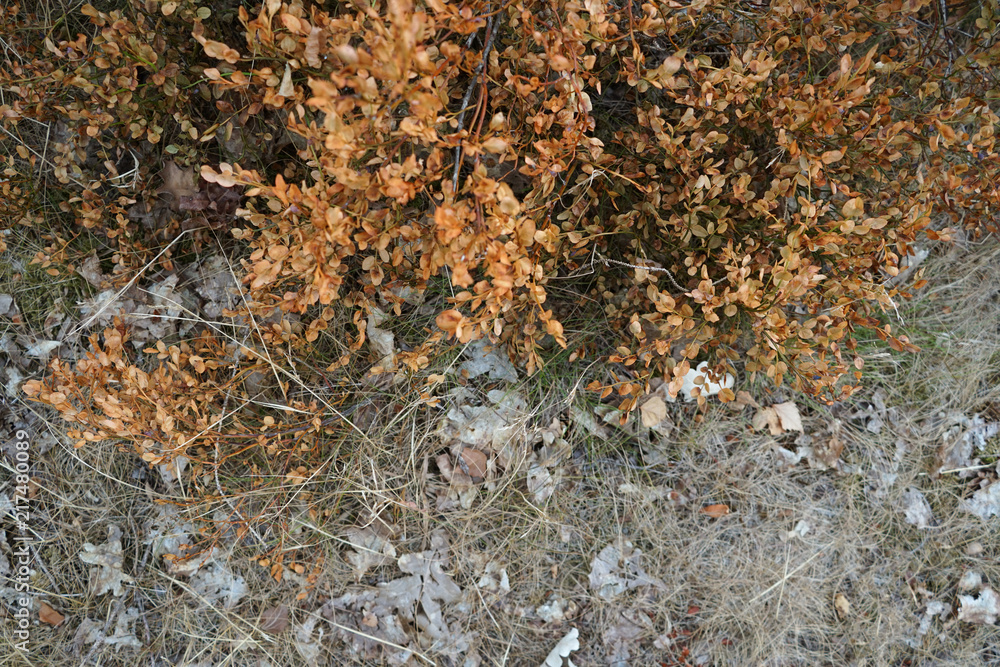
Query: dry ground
x=389, y=562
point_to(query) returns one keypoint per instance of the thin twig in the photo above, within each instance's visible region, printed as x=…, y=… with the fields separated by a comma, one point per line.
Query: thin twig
x=670, y=275
x=490, y=34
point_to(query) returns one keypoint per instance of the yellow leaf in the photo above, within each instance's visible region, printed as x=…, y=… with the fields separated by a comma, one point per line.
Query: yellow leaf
x=842, y=605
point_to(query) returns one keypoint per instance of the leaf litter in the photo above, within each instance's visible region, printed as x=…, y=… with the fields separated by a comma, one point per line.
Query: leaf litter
x=916, y=509
x=370, y=549
x=107, y=575
x=616, y=569
x=406, y=614
x=210, y=576
x=123, y=635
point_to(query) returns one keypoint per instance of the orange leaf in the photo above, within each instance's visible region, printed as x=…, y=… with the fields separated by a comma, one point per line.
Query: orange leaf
x=49, y=616
x=715, y=511
x=449, y=321
x=220, y=51
x=829, y=157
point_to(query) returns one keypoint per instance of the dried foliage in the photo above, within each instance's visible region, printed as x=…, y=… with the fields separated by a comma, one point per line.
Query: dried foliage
x=733, y=182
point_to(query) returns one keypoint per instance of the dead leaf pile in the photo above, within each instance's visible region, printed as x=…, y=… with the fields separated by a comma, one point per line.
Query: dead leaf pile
x=370, y=549
x=208, y=573
x=152, y=314
x=409, y=611
x=961, y=437
x=123, y=635
x=820, y=449
x=546, y=469
x=483, y=440
x=616, y=569
x=107, y=575
x=213, y=281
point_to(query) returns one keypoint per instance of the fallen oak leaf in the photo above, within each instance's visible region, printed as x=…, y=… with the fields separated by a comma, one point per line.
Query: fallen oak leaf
x=981, y=610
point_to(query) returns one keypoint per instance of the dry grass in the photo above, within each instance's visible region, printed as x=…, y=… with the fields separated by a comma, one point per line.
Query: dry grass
x=743, y=589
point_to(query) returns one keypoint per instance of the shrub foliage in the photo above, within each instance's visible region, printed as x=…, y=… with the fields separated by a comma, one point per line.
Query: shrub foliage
x=729, y=180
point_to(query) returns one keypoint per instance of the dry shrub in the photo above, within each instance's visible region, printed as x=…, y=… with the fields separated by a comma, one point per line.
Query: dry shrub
x=782, y=163
x=748, y=175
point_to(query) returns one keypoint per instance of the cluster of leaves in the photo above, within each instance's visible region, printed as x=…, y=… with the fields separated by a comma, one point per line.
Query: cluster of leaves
x=782, y=162
x=169, y=410
x=739, y=181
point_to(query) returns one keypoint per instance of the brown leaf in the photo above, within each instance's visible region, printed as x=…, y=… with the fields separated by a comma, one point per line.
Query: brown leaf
x=853, y=207
x=274, y=619
x=476, y=461
x=778, y=418
x=313, y=46
x=653, y=411
x=220, y=51
x=449, y=321
x=715, y=511
x=829, y=157
x=177, y=183
x=49, y=616
x=744, y=399
x=788, y=414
